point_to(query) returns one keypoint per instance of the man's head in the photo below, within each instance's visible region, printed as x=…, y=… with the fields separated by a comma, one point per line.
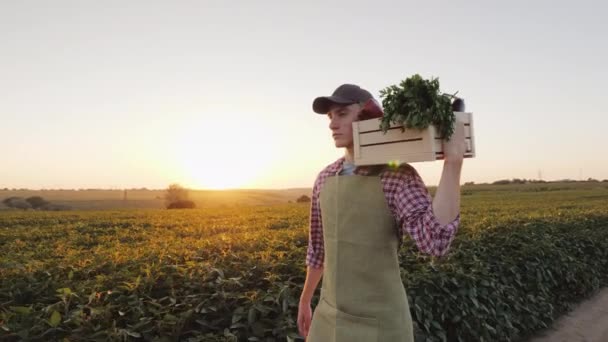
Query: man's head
x=341, y=118
x=343, y=107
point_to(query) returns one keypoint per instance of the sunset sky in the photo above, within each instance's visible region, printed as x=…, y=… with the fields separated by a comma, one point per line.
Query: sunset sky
x=218, y=94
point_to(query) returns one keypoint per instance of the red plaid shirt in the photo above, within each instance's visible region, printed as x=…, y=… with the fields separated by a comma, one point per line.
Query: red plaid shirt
x=408, y=200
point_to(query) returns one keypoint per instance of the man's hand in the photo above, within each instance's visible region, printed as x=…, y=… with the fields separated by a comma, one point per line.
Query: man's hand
x=304, y=317
x=454, y=149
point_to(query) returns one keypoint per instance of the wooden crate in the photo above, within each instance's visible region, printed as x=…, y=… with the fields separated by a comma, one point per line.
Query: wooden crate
x=373, y=146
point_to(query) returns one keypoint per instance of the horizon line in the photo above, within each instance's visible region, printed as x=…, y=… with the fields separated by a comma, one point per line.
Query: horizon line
x=525, y=181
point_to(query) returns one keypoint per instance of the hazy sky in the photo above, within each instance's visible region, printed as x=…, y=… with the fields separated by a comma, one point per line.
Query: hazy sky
x=113, y=94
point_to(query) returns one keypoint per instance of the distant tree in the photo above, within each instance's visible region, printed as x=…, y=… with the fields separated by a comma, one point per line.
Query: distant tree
x=175, y=195
x=36, y=202
x=10, y=201
x=182, y=204
x=592, y=180
x=604, y=180
x=16, y=202
x=502, y=182
x=469, y=183
x=303, y=199
x=7, y=201
x=22, y=205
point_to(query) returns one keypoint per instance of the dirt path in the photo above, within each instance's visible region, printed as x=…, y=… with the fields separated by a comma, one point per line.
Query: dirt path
x=588, y=322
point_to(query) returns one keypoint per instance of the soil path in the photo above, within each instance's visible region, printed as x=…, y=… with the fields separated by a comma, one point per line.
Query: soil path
x=588, y=322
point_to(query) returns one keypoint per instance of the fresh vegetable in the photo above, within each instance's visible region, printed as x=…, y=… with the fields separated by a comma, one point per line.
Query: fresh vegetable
x=371, y=110
x=417, y=103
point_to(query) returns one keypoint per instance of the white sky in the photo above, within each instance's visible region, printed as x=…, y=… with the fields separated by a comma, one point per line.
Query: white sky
x=114, y=94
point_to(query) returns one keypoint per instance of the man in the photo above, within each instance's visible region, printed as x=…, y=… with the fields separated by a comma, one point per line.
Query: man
x=358, y=220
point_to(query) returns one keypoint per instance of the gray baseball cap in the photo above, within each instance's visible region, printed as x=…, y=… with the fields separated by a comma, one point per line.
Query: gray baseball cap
x=345, y=94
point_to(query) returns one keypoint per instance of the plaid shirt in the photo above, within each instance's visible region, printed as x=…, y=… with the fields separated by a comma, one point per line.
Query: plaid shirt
x=407, y=198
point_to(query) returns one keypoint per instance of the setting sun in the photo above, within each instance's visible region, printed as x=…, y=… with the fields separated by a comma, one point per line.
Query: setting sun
x=222, y=153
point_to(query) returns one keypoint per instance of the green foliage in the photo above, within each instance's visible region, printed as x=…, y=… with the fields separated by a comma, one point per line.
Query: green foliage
x=16, y=202
x=176, y=196
x=509, y=281
x=303, y=199
x=7, y=201
x=520, y=259
x=417, y=103
x=182, y=204
x=36, y=202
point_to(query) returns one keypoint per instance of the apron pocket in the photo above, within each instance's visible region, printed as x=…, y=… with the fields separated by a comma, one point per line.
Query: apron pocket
x=350, y=328
x=322, y=327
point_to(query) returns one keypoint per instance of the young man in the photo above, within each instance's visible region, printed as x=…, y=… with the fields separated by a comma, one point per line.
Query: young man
x=359, y=216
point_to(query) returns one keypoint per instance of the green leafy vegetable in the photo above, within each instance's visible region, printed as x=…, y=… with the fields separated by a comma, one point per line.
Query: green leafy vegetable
x=417, y=103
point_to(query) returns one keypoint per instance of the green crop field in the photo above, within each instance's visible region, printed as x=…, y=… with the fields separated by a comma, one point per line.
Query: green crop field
x=523, y=256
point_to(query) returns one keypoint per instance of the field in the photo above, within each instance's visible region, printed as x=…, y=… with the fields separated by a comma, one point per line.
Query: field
x=153, y=199
x=523, y=256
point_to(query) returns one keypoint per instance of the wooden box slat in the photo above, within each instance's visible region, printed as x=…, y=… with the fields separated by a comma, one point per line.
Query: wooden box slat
x=372, y=146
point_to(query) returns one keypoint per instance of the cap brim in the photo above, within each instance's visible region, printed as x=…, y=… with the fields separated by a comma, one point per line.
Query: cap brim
x=322, y=104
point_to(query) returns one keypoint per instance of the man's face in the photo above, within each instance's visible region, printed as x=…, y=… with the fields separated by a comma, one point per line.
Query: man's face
x=341, y=118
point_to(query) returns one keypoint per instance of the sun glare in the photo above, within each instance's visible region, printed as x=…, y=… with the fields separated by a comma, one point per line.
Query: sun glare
x=222, y=153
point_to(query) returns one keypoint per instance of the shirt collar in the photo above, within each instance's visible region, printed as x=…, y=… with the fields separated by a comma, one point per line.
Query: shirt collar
x=336, y=167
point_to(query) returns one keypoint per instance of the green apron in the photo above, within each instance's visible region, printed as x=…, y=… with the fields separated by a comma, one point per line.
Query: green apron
x=362, y=295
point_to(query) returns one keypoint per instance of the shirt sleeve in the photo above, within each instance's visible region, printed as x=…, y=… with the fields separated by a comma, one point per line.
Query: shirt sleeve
x=315, y=252
x=414, y=207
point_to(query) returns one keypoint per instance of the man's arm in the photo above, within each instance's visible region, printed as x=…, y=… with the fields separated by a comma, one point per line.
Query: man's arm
x=313, y=276
x=315, y=254
x=433, y=223
x=446, y=204
x=314, y=261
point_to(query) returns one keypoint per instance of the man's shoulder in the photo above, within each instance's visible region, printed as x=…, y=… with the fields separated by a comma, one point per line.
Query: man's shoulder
x=332, y=168
x=329, y=170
